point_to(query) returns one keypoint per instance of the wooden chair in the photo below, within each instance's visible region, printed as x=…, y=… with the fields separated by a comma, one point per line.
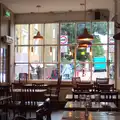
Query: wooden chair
x=75, y=81
x=44, y=111
x=108, y=93
x=37, y=84
x=102, y=80
x=23, y=77
x=17, y=99
x=54, y=94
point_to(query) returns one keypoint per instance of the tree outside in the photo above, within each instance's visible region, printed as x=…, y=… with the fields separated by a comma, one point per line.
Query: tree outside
x=97, y=28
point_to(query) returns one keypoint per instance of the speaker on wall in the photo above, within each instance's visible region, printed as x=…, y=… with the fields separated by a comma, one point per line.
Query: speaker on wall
x=97, y=15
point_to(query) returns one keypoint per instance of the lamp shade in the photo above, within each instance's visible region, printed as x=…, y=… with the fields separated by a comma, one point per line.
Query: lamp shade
x=85, y=36
x=117, y=36
x=84, y=44
x=38, y=36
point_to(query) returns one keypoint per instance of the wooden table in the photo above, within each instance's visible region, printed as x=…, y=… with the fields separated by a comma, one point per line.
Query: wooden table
x=71, y=97
x=71, y=105
x=4, y=98
x=80, y=115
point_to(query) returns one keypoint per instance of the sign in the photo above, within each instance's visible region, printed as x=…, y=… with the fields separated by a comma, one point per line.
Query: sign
x=64, y=41
x=7, y=13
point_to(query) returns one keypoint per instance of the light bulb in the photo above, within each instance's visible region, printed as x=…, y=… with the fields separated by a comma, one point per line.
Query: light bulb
x=70, y=53
x=50, y=53
x=90, y=53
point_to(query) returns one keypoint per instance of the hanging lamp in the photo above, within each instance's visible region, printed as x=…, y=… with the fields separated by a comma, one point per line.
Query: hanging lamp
x=117, y=36
x=38, y=35
x=85, y=36
x=84, y=44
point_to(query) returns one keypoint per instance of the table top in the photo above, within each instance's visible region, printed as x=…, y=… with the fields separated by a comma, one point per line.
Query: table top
x=44, y=85
x=36, y=90
x=69, y=97
x=80, y=115
x=2, y=98
x=71, y=105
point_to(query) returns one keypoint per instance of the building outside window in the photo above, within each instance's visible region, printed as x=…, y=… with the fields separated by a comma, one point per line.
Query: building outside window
x=58, y=54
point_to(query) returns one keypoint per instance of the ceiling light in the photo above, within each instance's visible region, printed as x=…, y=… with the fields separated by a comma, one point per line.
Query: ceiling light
x=117, y=36
x=38, y=36
x=85, y=36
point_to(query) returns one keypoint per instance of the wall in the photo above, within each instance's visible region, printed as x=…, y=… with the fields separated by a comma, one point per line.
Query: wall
x=7, y=28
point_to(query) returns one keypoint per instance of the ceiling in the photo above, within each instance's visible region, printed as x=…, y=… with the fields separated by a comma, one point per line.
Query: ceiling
x=28, y=6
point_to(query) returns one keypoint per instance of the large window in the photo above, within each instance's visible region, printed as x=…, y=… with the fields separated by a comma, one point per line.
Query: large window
x=58, y=54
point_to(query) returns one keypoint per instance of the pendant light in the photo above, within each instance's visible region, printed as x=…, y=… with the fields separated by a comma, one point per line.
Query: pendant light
x=84, y=44
x=50, y=51
x=38, y=36
x=85, y=36
x=117, y=36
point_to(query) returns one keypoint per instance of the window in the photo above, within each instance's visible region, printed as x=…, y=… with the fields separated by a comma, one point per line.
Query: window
x=58, y=52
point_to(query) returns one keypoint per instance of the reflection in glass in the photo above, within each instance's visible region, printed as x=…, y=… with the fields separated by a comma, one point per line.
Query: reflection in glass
x=3, y=68
x=20, y=68
x=51, y=71
x=36, y=71
x=34, y=28
x=21, y=54
x=67, y=33
x=51, y=33
x=21, y=34
x=36, y=54
x=51, y=54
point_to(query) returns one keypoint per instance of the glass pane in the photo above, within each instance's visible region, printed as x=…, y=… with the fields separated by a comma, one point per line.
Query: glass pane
x=83, y=55
x=51, y=33
x=67, y=71
x=99, y=53
x=51, y=71
x=67, y=54
x=21, y=34
x=99, y=70
x=81, y=26
x=34, y=28
x=51, y=54
x=21, y=54
x=111, y=32
x=100, y=31
x=20, y=68
x=111, y=71
x=36, y=71
x=36, y=54
x=83, y=70
x=111, y=53
x=3, y=68
x=67, y=33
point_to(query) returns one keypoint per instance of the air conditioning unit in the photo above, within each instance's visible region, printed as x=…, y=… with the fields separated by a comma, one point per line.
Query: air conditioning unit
x=7, y=39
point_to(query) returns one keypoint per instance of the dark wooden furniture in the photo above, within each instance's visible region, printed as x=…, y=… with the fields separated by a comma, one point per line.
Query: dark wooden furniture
x=53, y=94
x=102, y=80
x=44, y=111
x=23, y=77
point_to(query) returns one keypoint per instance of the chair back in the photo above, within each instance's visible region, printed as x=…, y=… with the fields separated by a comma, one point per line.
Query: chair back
x=5, y=90
x=58, y=85
x=75, y=81
x=45, y=111
x=23, y=77
x=102, y=80
x=105, y=87
x=38, y=84
x=84, y=87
